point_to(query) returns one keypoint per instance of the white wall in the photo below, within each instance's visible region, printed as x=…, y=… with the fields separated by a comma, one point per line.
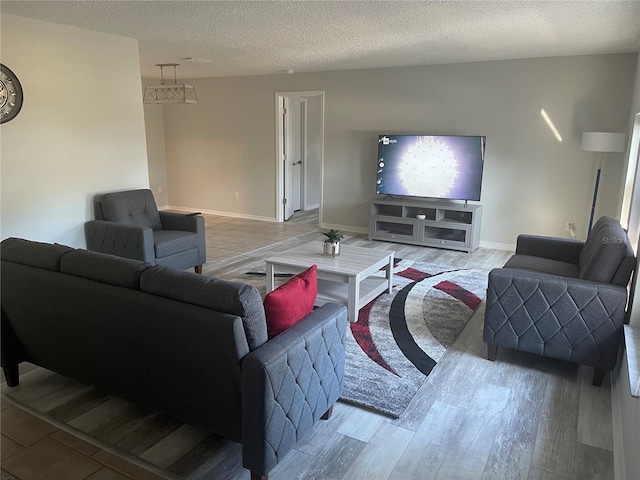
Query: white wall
x=80, y=130
x=532, y=183
x=154, y=123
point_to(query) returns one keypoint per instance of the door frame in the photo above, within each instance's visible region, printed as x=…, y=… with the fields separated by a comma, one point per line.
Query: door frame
x=280, y=148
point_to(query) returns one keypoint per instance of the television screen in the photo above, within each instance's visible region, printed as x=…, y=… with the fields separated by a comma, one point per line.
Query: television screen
x=448, y=167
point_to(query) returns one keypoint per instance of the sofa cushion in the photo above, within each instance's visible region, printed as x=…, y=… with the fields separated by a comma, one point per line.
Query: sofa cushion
x=291, y=301
x=135, y=207
x=122, y=272
x=34, y=254
x=604, y=251
x=170, y=242
x=212, y=293
x=545, y=265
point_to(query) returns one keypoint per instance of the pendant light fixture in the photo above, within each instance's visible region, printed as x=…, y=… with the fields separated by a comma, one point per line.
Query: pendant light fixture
x=171, y=92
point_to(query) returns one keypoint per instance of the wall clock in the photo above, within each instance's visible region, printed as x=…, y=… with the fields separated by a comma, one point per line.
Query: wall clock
x=10, y=94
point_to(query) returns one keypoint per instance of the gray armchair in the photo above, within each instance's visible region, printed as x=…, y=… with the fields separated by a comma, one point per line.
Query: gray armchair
x=128, y=224
x=563, y=299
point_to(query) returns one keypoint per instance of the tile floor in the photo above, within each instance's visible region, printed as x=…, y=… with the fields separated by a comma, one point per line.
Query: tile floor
x=230, y=237
x=35, y=450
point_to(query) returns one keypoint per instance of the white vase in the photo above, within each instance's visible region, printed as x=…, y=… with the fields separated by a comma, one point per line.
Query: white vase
x=331, y=249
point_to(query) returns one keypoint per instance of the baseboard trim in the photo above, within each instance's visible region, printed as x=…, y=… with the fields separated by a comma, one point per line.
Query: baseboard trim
x=498, y=246
x=345, y=228
x=221, y=213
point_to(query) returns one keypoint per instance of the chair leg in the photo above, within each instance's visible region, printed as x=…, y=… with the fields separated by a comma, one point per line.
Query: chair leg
x=327, y=414
x=598, y=377
x=198, y=268
x=492, y=351
x=257, y=476
x=11, y=374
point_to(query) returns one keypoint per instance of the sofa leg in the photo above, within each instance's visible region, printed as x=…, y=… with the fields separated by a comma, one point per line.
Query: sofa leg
x=598, y=377
x=198, y=268
x=327, y=414
x=11, y=374
x=258, y=476
x=492, y=351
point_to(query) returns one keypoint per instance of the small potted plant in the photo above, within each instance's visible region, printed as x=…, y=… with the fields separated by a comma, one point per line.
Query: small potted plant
x=331, y=244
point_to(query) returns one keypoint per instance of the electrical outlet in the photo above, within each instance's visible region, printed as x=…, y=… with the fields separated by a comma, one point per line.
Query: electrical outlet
x=237, y=195
x=571, y=228
x=160, y=189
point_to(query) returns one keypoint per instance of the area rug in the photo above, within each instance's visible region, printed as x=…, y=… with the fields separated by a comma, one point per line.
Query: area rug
x=400, y=337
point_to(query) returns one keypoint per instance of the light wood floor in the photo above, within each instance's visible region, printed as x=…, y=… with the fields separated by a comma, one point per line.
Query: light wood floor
x=521, y=417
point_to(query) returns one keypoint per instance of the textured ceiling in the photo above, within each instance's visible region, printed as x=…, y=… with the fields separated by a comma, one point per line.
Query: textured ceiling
x=262, y=37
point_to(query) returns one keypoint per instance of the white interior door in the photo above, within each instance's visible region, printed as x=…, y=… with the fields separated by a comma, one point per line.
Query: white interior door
x=303, y=180
x=293, y=155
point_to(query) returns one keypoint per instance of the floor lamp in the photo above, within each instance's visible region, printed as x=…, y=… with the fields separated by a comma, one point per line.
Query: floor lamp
x=602, y=142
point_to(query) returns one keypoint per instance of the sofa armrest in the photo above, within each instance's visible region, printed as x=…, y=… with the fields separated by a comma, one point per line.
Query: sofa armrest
x=289, y=383
x=565, y=318
x=120, y=239
x=180, y=221
x=553, y=248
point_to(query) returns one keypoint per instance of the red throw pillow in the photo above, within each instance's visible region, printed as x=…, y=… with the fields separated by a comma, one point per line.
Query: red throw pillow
x=291, y=301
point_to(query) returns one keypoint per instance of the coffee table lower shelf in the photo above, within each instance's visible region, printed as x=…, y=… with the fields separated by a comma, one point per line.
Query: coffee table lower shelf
x=334, y=292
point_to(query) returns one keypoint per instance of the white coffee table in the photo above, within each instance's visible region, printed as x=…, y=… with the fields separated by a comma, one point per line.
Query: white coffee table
x=346, y=278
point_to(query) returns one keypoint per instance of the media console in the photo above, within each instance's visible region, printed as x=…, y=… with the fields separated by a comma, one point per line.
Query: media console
x=455, y=226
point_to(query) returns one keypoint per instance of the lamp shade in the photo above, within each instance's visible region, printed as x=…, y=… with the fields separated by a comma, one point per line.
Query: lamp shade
x=604, y=142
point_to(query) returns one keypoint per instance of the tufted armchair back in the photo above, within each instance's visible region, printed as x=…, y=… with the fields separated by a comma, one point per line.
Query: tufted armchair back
x=134, y=207
x=128, y=224
x=607, y=255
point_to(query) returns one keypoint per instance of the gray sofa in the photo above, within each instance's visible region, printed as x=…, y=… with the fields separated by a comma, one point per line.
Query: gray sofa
x=562, y=298
x=192, y=346
x=128, y=224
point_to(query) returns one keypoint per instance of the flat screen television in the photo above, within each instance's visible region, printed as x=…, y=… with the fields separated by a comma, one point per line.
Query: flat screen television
x=443, y=166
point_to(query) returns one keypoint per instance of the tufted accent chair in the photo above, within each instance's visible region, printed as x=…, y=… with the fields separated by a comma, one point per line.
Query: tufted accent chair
x=563, y=299
x=128, y=224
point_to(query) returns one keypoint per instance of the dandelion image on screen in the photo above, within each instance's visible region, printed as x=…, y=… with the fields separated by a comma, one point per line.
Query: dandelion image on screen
x=428, y=168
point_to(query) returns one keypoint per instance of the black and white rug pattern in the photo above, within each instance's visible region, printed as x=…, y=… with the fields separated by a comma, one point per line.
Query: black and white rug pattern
x=400, y=337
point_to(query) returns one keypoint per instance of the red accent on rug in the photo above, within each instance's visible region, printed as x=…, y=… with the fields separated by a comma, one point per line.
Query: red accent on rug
x=413, y=274
x=456, y=291
x=362, y=335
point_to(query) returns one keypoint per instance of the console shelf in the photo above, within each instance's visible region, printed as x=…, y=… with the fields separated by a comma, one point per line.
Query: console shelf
x=455, y=226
